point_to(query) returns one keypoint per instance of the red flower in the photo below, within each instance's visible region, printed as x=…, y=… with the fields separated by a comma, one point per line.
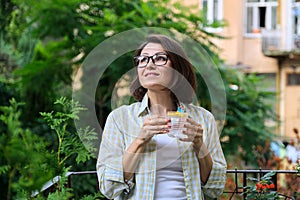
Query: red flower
x=264, y=186
x=271, y=186
x=258, y=186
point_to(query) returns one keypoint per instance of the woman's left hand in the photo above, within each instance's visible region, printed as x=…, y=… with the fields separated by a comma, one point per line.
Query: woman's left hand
x=194, y=133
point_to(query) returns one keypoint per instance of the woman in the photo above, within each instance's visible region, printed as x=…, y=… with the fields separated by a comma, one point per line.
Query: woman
x=137, y=158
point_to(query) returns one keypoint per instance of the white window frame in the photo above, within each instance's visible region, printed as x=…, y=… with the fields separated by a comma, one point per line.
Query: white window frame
x=211, y=12
x=296, y=6
x=255, y=17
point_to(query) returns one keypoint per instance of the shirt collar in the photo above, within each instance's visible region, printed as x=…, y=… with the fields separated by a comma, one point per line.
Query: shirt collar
x=144, y=109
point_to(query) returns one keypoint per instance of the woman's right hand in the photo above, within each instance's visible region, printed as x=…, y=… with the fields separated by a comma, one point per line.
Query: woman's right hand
x=153, y=125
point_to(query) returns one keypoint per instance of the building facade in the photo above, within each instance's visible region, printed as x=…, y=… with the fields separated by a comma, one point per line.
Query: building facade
x=264, y=38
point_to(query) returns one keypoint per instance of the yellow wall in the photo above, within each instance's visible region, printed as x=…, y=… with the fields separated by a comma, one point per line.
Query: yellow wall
x=253, y=56
x=291, y=101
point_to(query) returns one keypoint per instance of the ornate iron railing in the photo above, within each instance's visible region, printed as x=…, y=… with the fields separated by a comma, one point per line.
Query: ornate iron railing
x=239, y=187
x=240, y=182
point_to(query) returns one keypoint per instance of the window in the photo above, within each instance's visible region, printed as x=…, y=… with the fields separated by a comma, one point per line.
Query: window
x=260, y=14
x=293, y=79
x=296, y=24
x=213, y=10
x=296, y=14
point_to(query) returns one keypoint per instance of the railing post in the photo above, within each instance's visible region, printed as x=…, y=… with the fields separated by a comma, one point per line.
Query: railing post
x=260, y=174
x=244, y=184
x=275, y=181
x=236, y=182
x=69, y=181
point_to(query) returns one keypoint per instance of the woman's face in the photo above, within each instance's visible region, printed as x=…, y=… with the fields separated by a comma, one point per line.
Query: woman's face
x=153, y=77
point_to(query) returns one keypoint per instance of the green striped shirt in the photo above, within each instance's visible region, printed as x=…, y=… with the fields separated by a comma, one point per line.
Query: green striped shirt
x=122, y=127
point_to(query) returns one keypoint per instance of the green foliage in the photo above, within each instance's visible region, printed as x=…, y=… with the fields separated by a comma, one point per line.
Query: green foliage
x=50, y=17
x=72, y=144
x=247, y=114
x=89, y=183
x=12, y=56
x=93, y=197
x=262, y=190
x=69, y=142
x=7, y=89
x=51, y=68
x=23, y=155
x=5, y=13
x=249, y=109
x=26, y=161
x=62, y=192
x=16, y=43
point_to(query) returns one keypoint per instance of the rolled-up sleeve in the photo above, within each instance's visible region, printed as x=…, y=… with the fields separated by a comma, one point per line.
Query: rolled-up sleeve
x=215, y=185
x=109, y=163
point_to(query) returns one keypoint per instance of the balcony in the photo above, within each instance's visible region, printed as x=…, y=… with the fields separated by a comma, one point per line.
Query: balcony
x=276, y=43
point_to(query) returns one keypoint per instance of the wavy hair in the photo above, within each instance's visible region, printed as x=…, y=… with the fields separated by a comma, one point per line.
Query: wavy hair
x=183, y=90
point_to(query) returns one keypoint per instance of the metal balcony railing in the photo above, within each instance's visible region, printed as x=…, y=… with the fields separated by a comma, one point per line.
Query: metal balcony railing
x=239, y=187
x=240, y=181
x=274, y=44
x=271, y=41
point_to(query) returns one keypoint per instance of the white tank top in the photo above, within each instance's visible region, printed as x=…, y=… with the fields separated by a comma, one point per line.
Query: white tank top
x=169, y=183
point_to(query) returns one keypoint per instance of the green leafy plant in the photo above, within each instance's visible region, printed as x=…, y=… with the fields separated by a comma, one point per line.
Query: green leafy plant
x=263, y=188
x=247, y=103
x=24, y=159
x=69, y=142
x=93, y=197
x=62, y=192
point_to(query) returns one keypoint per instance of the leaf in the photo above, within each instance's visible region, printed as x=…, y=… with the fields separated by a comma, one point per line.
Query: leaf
x=252, y=179
x=4, y=169
x=268, y=175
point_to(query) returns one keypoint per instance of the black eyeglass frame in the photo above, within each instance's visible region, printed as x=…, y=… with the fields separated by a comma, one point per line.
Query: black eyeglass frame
x=148, y=59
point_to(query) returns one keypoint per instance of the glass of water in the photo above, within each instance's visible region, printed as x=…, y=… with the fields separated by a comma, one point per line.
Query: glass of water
x=178, y=119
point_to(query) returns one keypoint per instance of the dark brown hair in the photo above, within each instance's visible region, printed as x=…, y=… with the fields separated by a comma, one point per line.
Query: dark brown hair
x=183, y=90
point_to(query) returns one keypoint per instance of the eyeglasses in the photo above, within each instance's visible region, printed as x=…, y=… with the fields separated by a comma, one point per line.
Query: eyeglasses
x=158, y=59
